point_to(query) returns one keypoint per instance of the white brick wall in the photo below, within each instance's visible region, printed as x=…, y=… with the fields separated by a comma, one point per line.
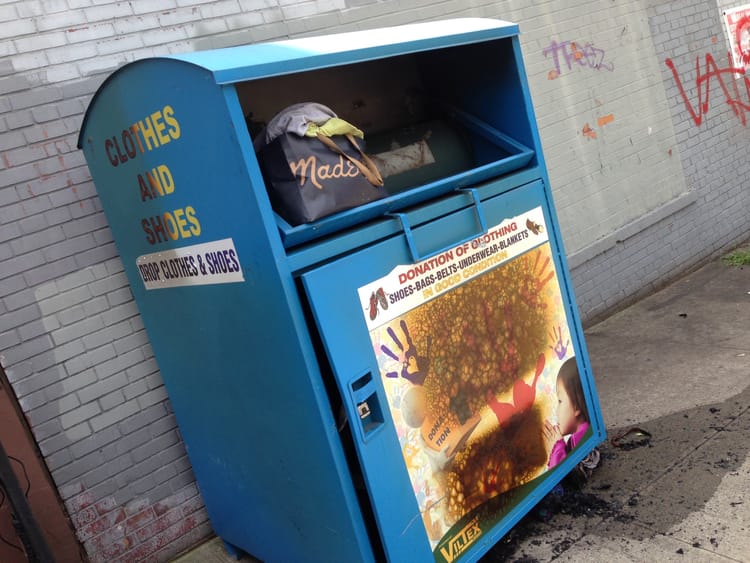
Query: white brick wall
x=663, y=193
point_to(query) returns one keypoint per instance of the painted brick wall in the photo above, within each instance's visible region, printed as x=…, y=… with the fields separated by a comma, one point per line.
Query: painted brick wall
x=660, y=193
x=71, y=340
x=606, y=134
x=648, y=253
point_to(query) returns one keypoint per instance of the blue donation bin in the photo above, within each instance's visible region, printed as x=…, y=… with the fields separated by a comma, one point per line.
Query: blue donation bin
x=386, y=382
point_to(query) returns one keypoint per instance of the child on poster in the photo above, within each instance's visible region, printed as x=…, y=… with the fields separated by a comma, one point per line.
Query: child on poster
x=572, y=415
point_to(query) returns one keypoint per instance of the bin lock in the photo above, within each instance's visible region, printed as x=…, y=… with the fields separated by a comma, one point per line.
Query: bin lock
x=367, y=406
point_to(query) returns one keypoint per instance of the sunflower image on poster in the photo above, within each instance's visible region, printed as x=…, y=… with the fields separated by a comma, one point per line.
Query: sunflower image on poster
x=469, y=370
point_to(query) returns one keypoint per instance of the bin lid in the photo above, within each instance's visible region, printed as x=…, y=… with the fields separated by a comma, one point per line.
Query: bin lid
x=233, y=64
x=259, y=60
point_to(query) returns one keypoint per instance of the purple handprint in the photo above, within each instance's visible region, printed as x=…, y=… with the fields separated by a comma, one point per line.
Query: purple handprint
x=414, y=367
x=559, y=349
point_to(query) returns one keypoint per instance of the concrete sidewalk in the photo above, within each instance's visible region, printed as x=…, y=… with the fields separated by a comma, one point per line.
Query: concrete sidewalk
x=677, y=365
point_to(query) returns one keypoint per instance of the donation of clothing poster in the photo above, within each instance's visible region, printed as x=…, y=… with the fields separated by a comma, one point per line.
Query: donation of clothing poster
x=471, y=345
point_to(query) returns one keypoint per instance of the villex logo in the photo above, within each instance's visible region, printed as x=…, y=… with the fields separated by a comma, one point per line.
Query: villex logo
x=462, y=540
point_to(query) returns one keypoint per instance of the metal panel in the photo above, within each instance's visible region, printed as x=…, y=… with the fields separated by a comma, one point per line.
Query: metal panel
x=169, y=160
x=339, y=296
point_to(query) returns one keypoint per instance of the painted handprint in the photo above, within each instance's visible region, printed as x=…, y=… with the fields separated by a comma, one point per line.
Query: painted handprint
x=531, y=288
x=414, y=367
x=559, y=349
x=542, y=276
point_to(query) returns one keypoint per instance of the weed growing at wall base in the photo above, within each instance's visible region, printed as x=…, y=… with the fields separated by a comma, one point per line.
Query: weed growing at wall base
x=738, y=258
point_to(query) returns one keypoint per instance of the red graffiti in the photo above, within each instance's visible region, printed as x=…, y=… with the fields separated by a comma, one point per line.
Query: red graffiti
x=743, y=26
x=703, y=84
